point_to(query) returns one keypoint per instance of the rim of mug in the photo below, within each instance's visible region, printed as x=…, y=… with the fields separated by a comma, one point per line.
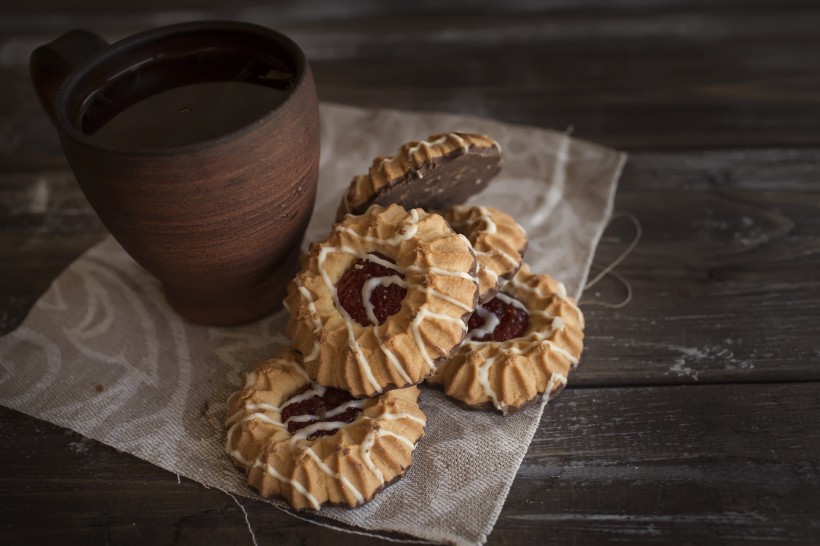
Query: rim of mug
x=137, y=40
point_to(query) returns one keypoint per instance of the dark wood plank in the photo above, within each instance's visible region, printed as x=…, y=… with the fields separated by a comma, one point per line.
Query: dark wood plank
x=711, y=464
x=726, y=236
x=46, y=224
x=640, y=77
x=726, y=289
x=663, y=465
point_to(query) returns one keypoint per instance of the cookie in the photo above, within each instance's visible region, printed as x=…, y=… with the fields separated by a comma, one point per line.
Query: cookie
x=498, y=241
x=382, y=301
x=521, y=344
x=444, y=170
x=314, y=445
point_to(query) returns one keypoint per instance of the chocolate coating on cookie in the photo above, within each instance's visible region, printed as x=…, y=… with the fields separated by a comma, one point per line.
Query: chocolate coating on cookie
x=313, y=446
x=444, y=170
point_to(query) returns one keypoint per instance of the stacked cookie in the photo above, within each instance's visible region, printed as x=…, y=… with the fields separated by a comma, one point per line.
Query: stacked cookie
x=410, y=286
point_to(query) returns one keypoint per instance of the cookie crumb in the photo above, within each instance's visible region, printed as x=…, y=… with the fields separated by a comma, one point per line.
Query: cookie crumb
x=99, y=388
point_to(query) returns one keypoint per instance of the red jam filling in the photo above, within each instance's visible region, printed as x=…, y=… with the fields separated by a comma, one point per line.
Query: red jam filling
x=513, y=320
x=319, y=406
x=385, y=298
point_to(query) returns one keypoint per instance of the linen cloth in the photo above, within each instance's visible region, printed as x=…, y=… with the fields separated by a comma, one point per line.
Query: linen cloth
x=102, y=353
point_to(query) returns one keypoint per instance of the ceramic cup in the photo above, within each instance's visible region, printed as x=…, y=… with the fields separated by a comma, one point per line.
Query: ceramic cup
x=218, y=222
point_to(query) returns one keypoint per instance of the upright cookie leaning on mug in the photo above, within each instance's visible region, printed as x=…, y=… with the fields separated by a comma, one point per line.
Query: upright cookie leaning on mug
x=431, y=174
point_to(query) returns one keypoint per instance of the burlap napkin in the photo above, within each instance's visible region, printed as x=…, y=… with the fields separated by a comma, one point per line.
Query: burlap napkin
x=101, y=352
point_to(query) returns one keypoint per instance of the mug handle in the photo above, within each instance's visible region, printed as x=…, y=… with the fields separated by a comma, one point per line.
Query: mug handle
x=51, y=63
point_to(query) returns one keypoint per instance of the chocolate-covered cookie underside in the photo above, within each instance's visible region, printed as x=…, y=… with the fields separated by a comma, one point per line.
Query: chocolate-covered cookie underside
x=427, y=190
x=403, y=234
x=440, y=180
x=319, y=425
x=513, y=343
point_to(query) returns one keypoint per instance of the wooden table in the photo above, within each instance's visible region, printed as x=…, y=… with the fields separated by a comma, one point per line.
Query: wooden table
x=694, y=417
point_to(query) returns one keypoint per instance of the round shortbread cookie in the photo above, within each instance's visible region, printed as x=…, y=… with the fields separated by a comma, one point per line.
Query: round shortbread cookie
x=523, y=343
x=383, y=300
x=313, y=445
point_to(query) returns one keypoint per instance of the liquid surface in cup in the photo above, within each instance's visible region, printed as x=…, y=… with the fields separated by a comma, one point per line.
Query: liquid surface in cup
x=184, y=99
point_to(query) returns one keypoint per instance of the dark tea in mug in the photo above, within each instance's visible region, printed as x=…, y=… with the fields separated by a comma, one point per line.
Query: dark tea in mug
x=197, y=144
x=184, y=98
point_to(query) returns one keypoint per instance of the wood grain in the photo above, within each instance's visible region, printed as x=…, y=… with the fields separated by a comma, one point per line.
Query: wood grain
x=729, y=463
x=693, y=417
x=715, y=248
x=642, y=76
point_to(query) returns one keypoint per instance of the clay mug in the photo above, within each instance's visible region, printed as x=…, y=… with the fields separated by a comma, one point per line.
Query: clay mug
x=219, y=221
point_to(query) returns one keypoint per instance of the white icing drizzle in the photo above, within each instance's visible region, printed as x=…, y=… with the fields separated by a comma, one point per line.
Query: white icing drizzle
x=479, y=269
x=509, y=300
x=514, y=345
x=541, y=313
x=369, y=443
x=407, y=230
x=554, y=378
x=293, y=483
x=395, y=416
x=236, y=454
x=338, y=410
x=415, y=327
x=427, y=145
x=329, y=471
x=525, y=287
x=325, y=426
x=536, y=339
x=314, y=390
x=352, y=343
x=250, y=380
x=483, y=378
x=563, y=352
x=561, y=291
x=257, y=415
x=439, y=271
x=371, y=284
x=498, y=252
x=364, y=255
x=366, y=448
x=491, y=321
x=399, y=437
x=250, y=408
x=260, y=416
x=314, y=317
x=367, y=293
x=489, y=224
x=391, y=357
x=436, y=293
